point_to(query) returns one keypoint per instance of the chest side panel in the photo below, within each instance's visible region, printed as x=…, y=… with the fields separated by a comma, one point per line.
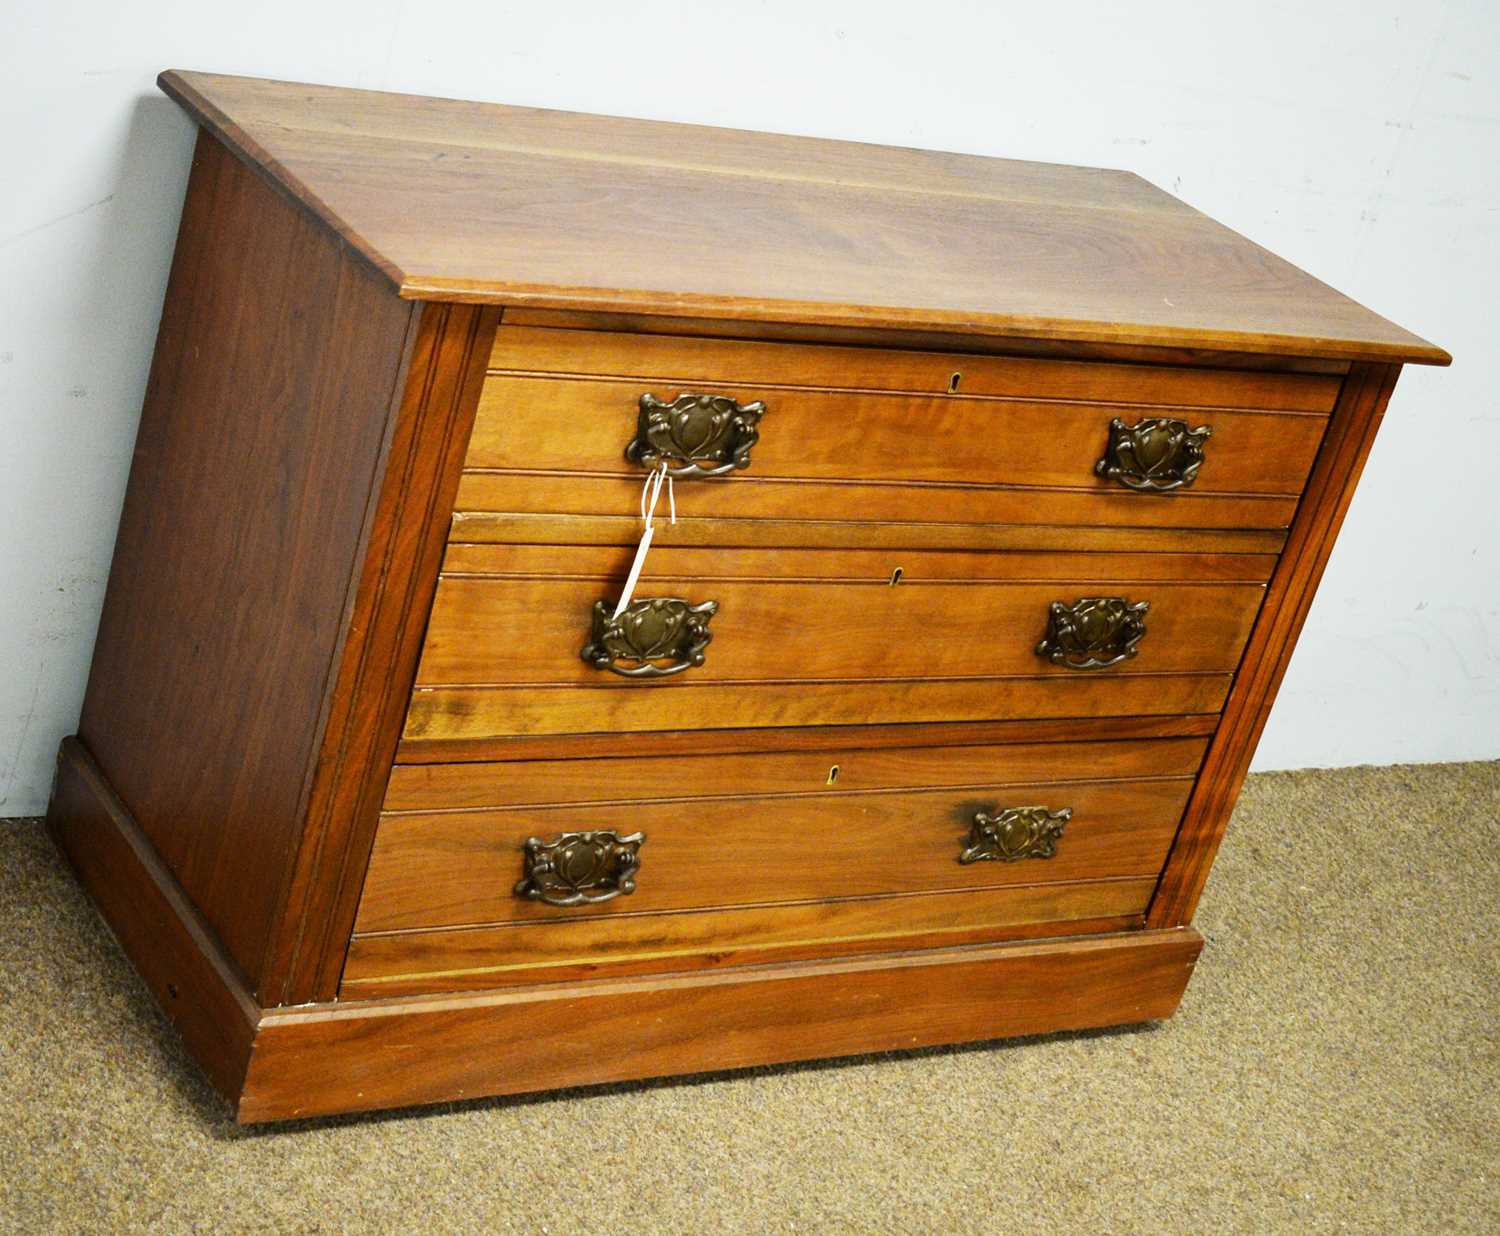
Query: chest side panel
x=277, y=364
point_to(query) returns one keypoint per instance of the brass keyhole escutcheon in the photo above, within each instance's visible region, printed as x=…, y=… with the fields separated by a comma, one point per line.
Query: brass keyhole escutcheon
x=895, y=577
x=833, y=775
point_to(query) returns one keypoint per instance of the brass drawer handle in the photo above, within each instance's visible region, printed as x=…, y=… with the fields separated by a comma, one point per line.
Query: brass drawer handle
x=708, y=435
x=1093, y=632
x=654, y=636
x=1157, y=454
x=1014, y=833
x=581, y=867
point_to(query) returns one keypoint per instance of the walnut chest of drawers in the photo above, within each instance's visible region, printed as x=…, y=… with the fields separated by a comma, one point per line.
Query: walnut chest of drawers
x=1001, y=492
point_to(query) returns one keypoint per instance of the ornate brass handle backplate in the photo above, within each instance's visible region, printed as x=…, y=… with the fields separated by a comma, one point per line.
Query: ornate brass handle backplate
x=1157, y=453
x=1094, y=632
x=1014, y=833
x=653, y=637
x=707, y=435
x=581, y=867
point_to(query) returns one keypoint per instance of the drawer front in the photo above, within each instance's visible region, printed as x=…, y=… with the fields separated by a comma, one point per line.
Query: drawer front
x=462, y=867
x=828, y=639
x=781, y=850
x=1016, y=442
x=778, y=630
x=538, y=350
x=971, y=451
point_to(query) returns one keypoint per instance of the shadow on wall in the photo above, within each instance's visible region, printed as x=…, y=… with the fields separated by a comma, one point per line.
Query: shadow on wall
x=93, y=280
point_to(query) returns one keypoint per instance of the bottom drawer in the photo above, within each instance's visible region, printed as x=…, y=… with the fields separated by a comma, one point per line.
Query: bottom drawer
x=823, y=852
x=460, y=868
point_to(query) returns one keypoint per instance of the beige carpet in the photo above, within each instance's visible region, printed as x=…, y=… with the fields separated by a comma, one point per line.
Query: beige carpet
x=1333, y=1069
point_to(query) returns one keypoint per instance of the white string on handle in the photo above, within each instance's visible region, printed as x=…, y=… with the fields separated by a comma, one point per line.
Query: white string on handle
x=650, y=495
x=649, y=492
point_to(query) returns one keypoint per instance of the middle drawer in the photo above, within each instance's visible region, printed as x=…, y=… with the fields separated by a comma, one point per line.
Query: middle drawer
x=521, y=638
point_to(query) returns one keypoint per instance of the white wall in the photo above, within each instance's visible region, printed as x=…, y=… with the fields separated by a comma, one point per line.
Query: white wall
x=1359, y=138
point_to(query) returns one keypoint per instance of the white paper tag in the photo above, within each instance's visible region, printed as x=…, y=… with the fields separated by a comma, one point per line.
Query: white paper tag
x=650, y=492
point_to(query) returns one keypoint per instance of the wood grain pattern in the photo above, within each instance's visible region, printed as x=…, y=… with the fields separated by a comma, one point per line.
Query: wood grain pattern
x=461, y=867
x=747, y=497
x=914, y=340
x=443, y=713
x=676, y=358
x=422, y=961
x=300, y=525
x=278, y=1064
x=175, y=951
x=278, y=368
x=547, y=528
x=852, y=564
x=715, y=223
x=1288, y=599
x=526, y=783
x=823, y=738
x=843, y=630
x=358, y=1055
x=567, y=425
x=411, y=963
x=376, y=666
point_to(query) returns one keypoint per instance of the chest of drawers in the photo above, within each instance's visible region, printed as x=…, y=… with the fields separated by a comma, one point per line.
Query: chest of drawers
x=1000, y=494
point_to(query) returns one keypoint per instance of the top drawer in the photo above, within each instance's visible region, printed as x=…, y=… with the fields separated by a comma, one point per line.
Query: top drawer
x=870, y=434
x=534, y=349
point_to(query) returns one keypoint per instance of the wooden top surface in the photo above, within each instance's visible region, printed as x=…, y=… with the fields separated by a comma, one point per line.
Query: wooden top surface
x=519, y=206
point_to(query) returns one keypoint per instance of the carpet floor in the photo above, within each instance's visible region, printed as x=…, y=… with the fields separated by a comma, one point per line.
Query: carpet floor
x=1333, y=1068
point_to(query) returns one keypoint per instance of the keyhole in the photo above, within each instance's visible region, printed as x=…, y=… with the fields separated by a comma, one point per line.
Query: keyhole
x=953, y=383
x=833, y=775
x=895, y=577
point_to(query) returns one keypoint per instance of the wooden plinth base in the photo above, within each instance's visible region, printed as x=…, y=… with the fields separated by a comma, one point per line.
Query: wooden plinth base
x=309, y=1060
